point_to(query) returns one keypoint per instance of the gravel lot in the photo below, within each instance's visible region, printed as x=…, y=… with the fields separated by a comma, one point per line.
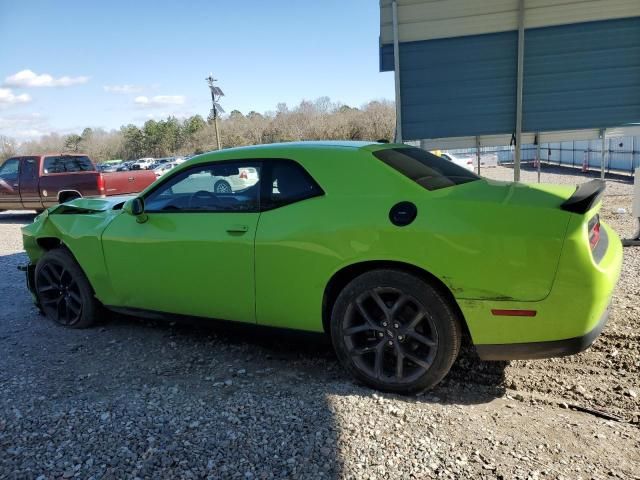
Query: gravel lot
x=133, y=398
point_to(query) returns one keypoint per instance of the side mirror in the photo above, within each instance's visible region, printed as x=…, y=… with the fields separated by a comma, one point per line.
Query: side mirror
x=135, y=207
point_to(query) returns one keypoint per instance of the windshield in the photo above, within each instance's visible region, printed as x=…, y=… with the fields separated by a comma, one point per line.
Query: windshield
x=424, y=168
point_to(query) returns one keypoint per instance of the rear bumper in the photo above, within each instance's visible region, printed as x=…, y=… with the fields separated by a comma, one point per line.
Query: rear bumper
x=536, y=350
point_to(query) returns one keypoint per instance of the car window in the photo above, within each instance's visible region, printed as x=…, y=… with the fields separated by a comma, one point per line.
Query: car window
x=424, y=168
x=9, y=169
x=68, y=163
x=290, y=183
x=218, y=187
x=29, y=167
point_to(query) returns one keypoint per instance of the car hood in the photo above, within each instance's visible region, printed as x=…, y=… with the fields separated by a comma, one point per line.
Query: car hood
x=90, y=205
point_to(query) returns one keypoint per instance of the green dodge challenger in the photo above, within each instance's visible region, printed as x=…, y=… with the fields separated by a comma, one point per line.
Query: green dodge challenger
x=392, y=251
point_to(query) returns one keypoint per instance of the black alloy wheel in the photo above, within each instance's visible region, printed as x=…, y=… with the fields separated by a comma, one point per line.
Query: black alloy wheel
x=63, y=291
x=395, y=332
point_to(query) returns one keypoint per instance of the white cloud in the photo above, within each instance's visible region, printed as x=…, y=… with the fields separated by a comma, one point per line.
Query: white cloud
x=159, y=100
x=28, y=78
x=7, y=97
x=25, y=126
x=122, y=88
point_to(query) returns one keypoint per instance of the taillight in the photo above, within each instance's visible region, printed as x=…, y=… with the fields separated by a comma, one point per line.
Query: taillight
x=594, y=231
x=101, y=187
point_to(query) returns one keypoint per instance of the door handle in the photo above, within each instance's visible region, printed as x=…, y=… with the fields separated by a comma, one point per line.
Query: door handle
x=132, y=179
x=237, y=229
x=16, y=185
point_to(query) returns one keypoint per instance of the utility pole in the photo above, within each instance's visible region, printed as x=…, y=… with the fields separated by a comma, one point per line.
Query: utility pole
x=216, y=93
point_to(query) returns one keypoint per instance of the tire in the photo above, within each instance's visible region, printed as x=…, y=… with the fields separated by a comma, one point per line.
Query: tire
x=222, y=186
x=64, y=293
x=67, y=197
x=395, y=332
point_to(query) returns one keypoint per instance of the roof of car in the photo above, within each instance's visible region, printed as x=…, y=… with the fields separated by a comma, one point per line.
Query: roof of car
x=321, y=144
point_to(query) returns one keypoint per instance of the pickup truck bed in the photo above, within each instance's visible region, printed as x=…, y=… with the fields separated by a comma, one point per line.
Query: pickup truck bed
x=41, y=181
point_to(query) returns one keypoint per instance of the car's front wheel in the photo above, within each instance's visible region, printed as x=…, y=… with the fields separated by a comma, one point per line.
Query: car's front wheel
x=64, y=293
x=395, y=332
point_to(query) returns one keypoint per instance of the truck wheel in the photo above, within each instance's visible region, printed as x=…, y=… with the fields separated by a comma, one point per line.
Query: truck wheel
x=64, y=293
x=65, y=197
x=395, y=332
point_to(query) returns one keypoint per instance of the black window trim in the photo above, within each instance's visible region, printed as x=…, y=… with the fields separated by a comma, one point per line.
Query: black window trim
x=268, y=185
x=467, y=174
x=266, y=172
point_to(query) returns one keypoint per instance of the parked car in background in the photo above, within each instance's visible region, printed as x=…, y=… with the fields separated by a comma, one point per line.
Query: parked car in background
x=39, y=181
x=395, y=276
x=144, y=163
x=163, y=168
x=462, y=161
x=107, y=167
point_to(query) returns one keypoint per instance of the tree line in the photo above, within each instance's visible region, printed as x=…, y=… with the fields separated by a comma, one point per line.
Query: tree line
x=310, y=120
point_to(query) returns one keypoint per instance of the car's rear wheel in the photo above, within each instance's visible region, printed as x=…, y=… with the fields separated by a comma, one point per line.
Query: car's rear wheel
x=395, y=332
x=222, y=187
x=64, y=293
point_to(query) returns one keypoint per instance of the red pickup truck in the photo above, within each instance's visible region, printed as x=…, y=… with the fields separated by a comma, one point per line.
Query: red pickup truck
x=40, y=181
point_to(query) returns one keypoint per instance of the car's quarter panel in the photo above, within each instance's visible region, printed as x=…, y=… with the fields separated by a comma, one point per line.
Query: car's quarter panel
x=184, y=263
x=581, y=293
x=484, y=240
x=80, y=234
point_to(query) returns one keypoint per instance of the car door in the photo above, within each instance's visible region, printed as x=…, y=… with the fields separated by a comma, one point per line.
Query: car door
x=9, y=186
x=292, y=250
x=192, y=251
x=29, y=190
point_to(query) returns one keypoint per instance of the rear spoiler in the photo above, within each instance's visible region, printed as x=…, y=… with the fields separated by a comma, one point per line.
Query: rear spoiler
x=585, y=197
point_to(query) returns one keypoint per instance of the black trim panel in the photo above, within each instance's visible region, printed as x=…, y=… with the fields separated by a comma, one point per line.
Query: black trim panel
x=585, y=197
x=536, y=350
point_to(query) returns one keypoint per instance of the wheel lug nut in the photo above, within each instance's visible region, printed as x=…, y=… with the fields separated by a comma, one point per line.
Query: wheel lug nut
x=384, y=324
x=380, y=334
x=390, y=343
x=396, y=325
x=400, y=337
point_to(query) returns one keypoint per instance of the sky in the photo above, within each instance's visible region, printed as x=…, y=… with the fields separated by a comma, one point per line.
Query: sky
x=69, y=64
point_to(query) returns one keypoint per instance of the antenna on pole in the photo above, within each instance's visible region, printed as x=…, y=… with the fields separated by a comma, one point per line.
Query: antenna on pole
x=216, y=94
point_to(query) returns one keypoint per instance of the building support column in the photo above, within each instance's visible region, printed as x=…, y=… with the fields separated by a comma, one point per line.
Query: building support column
x=396, y=69
x=603, y=157
x=538, y=162
x=478, y=152
x=520, y=82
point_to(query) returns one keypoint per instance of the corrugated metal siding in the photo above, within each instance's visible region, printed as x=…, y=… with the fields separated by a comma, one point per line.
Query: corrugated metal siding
x=452, y=87
x=429, y=19
x=582, y=76
x=576, y=76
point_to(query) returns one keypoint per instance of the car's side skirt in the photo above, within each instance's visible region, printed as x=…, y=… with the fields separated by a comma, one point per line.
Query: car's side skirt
x=226, y=325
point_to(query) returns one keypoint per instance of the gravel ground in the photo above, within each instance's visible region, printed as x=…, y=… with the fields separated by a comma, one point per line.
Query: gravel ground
x=133, y=398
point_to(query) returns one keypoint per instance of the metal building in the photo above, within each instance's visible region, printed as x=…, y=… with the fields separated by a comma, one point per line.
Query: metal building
x=495, y=72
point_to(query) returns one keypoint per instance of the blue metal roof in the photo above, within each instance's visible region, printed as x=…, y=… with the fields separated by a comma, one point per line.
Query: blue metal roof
x=577, y=76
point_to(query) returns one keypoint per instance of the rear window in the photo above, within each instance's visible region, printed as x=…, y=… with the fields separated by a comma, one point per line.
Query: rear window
x=68, y=163
x=424, y=168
